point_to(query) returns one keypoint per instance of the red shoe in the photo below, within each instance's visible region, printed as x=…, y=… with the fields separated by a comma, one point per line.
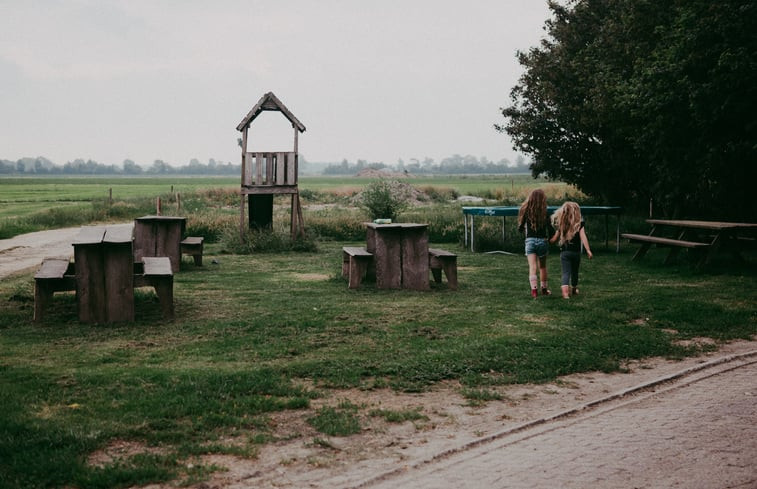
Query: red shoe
x=545, y=291
x=534, y=293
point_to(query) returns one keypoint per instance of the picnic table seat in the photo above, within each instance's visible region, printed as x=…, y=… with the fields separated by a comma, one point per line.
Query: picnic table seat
x=192, y=245
x=675, y=244
x=54, y=275
x=156, y=272
x=442, y=260
x=355, y=264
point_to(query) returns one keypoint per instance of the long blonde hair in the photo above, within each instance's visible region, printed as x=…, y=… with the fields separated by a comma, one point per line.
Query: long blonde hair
x=534, y=209
x=567, y=221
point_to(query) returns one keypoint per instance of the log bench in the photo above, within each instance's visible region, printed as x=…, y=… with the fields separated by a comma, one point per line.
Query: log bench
x=355, y=263
x=54, y=275
x=156, y=272
x=442, y=260
x=674, y=244
x=192, y=245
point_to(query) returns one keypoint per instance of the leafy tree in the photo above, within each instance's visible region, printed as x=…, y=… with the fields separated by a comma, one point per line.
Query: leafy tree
x=638, y=99
x=131, y=168
x=160, y=167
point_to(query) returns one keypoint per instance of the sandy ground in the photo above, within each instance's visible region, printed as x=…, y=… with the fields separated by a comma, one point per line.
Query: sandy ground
x=303, y=458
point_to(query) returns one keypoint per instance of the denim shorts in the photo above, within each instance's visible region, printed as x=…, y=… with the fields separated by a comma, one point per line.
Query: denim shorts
x=537, y=246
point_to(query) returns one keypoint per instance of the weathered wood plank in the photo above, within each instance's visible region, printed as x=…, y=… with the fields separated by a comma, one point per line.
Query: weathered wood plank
x=118, y=234
x=157, y=265
x=119, y=282
x=52, y=268
x=280, y=169
x=90, y=282
x=415, y=258
x=248, y=161
x=664, y=241
x=291, y=168
x=260, y=162
x=90, y=235
x=356, y=251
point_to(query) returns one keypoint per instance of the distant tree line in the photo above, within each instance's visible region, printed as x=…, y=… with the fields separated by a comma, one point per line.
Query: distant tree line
x=43, y=166
x=451, y=165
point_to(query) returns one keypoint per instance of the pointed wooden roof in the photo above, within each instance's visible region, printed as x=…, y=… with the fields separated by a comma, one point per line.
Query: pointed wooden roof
x=269, y=101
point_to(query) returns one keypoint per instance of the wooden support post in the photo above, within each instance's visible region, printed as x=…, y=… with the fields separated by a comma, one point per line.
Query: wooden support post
x=242, y=199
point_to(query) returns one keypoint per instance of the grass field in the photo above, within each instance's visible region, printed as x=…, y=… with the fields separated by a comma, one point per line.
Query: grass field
x=22, y=196
x=269, y=332
x=253, y=331
x=211, y=203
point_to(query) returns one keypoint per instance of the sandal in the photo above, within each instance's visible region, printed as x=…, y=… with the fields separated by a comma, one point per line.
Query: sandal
x=545, y=291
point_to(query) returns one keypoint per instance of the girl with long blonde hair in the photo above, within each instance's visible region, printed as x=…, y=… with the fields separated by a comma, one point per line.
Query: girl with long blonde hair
x=570, y=235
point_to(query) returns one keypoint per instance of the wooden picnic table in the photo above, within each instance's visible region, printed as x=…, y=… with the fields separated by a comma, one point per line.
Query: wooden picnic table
x=159, y=236
x=705, y=237
x=104, y=274
x=400, y=253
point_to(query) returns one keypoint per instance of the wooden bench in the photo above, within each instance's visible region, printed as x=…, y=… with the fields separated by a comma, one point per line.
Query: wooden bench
x=54, y=275
x=675, y=244
x=441, y=260
x=355, y=263
x=156, y=272
x=192, y=245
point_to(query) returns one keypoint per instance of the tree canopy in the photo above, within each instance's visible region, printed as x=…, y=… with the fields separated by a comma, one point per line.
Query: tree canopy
x=632, y=100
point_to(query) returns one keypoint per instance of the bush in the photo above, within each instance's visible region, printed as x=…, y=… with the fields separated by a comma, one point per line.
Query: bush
x=384, y=199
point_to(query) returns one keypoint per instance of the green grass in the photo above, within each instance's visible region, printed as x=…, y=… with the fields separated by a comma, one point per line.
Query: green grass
x=253, y=330
x=261, y=333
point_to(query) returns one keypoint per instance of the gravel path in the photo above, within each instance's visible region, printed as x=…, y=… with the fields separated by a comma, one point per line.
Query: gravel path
x=27, y=251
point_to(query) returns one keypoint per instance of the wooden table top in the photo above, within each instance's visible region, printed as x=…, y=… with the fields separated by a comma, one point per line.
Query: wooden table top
x=103, y=234
x=161, y=218
x=396, y=225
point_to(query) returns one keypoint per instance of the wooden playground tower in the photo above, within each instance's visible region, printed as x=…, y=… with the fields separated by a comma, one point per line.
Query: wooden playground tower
x=266, y=174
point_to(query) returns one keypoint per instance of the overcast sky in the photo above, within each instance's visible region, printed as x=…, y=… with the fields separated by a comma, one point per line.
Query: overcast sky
x=111, y=80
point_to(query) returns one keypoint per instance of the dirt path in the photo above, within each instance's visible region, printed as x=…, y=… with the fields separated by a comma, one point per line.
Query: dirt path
x=28, y=250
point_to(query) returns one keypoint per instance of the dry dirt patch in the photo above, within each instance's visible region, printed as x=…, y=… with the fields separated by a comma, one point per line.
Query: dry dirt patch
x=303, y=457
